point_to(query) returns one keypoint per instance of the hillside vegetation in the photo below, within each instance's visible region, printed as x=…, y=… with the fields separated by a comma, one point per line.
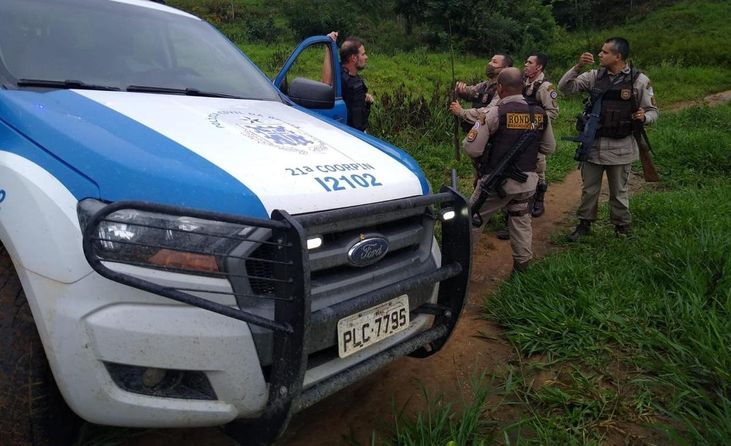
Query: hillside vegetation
x=673, y=45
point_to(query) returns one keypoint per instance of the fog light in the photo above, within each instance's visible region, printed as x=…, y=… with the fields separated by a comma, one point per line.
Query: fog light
x=152, y=377
x=158, y=382
x=446, y=214
x=314, y=242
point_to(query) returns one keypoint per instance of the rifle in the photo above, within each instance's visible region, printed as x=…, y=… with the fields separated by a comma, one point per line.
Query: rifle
x=643, y=142
x=588, y=124
x=648, y=167
x=452, y=98
x=504, y=170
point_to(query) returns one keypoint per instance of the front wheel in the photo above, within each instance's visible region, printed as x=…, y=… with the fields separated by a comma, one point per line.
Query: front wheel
x=32, y=410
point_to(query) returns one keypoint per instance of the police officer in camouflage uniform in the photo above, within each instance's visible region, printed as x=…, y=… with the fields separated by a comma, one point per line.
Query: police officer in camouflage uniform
x=482, y=95
x=628, y=101
x=493, y=135
x=538, y=90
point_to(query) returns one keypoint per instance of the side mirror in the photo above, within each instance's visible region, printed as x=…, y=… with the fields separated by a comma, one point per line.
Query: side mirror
x=311, y=94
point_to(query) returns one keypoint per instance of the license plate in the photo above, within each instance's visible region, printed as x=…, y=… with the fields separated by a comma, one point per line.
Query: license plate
x=370, y=326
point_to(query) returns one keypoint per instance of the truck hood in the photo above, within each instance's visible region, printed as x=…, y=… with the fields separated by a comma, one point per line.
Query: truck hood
x=228, y=155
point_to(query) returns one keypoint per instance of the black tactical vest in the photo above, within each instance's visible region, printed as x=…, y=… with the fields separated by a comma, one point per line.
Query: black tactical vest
x=531, y=98
x=514, y=121
x=482, y=99
x=484, y=95
x=618, y=104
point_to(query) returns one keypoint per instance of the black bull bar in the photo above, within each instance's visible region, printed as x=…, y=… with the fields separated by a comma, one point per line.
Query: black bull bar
x=292, y=308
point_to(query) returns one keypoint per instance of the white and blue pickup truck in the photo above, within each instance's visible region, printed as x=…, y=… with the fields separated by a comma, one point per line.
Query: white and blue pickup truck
x=185, y=243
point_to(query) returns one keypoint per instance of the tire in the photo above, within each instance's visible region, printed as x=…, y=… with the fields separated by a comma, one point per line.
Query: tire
x=32, y=410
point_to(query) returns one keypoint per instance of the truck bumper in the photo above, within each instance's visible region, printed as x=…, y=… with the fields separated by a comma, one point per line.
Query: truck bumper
x=104, y=337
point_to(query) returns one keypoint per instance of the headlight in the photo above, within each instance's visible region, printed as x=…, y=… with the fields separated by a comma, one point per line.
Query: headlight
x=171, y=242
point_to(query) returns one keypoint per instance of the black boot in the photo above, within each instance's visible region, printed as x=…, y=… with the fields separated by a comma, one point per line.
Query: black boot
x=520, y=267
x=582, y=229
x=538, y=208
x=622, y=231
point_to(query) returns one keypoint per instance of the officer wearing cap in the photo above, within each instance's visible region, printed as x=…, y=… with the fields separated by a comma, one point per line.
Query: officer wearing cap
x=492, y=136
x=538, y=90
x=628, y=101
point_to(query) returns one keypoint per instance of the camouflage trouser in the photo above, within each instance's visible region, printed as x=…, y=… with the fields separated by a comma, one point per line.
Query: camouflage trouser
x=519, y=223
x=618, y=181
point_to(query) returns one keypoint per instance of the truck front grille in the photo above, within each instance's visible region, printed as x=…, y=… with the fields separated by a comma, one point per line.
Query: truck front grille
x=334, y=279
x=409, y=239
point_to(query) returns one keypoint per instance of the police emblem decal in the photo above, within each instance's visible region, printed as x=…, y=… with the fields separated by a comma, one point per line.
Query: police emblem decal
x=270, y=131
x=625, y=93
x=554, y=94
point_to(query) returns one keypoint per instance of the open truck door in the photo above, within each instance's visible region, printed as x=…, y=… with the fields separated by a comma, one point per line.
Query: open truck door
x=311, y=78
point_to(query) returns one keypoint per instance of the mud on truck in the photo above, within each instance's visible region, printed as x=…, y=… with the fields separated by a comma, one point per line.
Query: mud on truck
x=184, y=242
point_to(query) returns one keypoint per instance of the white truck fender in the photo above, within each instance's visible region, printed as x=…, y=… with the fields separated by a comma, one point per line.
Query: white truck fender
x=39, y=226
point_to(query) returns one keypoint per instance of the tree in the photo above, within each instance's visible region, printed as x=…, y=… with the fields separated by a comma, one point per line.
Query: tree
x=485, y=28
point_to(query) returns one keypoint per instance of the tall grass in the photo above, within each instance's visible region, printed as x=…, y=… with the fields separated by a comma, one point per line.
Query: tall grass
x=636, y=331
x=658, y=304
x=444, y=424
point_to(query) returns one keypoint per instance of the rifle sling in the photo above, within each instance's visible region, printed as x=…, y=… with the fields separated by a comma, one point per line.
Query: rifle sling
x=643, y=133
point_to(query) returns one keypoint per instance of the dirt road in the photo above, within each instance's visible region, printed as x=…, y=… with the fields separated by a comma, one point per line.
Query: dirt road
x=475, y=345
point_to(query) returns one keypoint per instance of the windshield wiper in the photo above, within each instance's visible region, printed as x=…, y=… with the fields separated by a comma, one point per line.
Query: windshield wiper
x=183, y=91
x=79, y=85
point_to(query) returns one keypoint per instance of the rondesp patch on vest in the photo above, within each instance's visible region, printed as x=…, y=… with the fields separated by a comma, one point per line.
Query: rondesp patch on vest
x=521, y=121
x=625, y=94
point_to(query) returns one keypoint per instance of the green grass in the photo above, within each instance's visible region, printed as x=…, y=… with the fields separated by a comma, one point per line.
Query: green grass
x=637, y=331
x=442, y=423
x=658, y=304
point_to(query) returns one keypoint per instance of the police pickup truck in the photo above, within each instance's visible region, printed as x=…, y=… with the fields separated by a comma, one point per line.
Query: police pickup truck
x=185, y=243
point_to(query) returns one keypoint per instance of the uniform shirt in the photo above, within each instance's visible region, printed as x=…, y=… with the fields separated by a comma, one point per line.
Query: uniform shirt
x=354, y=96
x=486, y=126
x=472, y=114
x=613, y=151
x=546, y=95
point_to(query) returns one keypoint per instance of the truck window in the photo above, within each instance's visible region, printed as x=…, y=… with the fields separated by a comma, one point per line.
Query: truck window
x=117, y=44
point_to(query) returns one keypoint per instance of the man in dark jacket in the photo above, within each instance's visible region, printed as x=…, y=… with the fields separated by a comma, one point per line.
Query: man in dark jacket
x=353, y=59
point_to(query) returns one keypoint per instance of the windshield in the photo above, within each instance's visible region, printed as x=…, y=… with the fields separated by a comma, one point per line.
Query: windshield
x=122, y=43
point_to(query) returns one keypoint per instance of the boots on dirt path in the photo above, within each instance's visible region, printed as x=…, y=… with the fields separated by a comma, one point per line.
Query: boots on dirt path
x=583, y=228
x=538, y=207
